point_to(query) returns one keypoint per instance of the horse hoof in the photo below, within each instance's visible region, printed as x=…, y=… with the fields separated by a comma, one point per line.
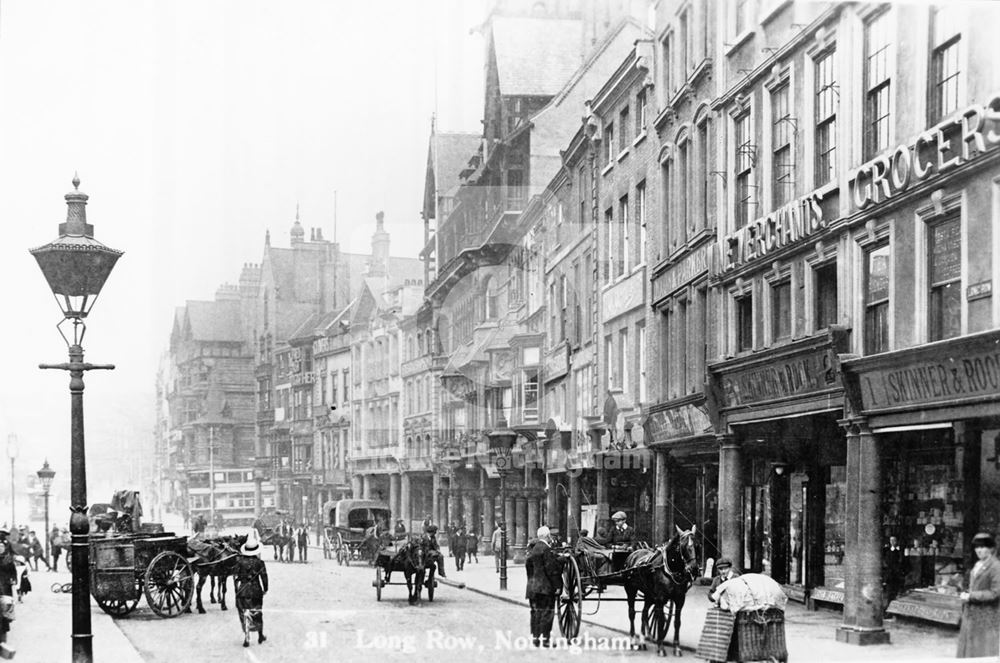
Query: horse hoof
x=224, y=608
x=677, y=652
x=201, y=611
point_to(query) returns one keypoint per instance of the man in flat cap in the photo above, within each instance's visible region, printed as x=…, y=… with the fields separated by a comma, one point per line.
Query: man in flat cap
x=724, y=571
x=621, y=533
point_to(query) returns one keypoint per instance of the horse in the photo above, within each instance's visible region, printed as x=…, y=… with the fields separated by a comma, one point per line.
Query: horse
x=663, y=575
x=411, y=560
x=216, y=559
x=278, y=540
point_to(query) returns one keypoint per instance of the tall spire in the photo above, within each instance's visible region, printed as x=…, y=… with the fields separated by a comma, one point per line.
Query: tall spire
x=298, y=234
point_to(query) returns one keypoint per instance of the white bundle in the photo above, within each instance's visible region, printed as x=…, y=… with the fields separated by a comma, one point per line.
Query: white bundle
x=751, y=591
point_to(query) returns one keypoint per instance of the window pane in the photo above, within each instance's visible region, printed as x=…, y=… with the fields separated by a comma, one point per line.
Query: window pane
x=826, y=296
x=945, y=271
x=781, y=309
x=877, y=85
x=827, y=99
x=877, y=300
x=744, y=322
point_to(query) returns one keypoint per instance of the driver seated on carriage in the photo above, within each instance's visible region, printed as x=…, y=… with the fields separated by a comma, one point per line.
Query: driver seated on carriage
x=430, y=535
x=609, y=553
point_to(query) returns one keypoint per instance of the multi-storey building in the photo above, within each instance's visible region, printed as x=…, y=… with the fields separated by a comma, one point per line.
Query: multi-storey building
x=856, y=315
x=300, y=288
x=210, y=400
x=681, y=221
x=332, y=411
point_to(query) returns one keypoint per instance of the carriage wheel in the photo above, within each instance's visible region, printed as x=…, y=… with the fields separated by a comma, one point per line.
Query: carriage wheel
x=169, y=584
x=117, y=607
x=378, y=583
x=653, y=626
x=571, y=600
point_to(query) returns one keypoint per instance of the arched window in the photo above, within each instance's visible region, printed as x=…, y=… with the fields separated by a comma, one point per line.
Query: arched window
x=420, y=343
x=492, y=300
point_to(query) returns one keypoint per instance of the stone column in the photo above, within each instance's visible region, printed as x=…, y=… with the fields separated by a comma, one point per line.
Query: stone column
x=468, y=509
x=661, y=505
x=489, y=523
x=436, y=498
x=533, y=503
x=453, y=497
x=863, y=545
x=730, y=498
x=551, y=516
x=521, y=532
x=574, y=507
x=509, y=517
x=394, y=496
x=405, y=501
x=357, y=489
x=603, y=513
x=366, y=486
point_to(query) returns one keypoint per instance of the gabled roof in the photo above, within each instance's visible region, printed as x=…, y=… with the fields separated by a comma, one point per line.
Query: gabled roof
x=214, y=321
x=535, y=56
x=447, y=155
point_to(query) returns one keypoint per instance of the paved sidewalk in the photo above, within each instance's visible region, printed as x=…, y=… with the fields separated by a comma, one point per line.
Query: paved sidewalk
x=810, y=635
x=43, y=625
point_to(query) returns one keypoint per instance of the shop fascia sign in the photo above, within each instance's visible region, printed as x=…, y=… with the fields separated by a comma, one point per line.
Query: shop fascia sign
x=945, y=146
x=789, y=224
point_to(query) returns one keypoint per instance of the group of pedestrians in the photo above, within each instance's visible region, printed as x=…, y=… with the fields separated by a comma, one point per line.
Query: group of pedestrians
x=297, y=536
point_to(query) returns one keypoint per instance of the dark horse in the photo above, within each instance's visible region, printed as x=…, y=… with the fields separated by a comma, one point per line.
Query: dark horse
x=411, y=560
x=215, y=561
x=278, y=540
x=663, y=575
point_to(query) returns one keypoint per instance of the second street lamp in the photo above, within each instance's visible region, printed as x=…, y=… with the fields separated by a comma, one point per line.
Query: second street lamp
x=502, y=441
x=76, y=265
x=45, y=475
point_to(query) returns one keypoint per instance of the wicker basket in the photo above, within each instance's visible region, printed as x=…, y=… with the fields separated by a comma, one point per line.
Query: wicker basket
x=760, y=635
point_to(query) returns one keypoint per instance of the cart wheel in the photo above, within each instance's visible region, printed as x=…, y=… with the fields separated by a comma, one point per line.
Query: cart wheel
x=117, y=607
x=571, y=600
x=378, y=583
x=169, y=584
x=653, y=627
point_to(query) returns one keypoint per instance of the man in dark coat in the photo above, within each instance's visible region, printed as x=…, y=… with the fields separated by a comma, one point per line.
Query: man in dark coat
x=980, y=632
x=621, y=533
x=302, y=539
x=895, y=569
x=544, y=569
x=435, y=549
x=250, y=581
x=459, y=543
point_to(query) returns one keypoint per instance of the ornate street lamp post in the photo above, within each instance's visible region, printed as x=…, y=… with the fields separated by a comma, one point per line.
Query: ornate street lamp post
x=502, y=441
x=45, y=475
x=76, y=266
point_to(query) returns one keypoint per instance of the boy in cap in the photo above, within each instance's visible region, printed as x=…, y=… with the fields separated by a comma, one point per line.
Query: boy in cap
x=621, y=533
x=724, y=571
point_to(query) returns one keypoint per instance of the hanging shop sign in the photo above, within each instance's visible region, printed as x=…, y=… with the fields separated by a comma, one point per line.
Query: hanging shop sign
x=678, y=422
x=787, y=225
x=947, y=145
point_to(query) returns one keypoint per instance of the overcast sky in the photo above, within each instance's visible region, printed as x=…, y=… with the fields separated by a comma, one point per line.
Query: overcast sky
x=195, y=126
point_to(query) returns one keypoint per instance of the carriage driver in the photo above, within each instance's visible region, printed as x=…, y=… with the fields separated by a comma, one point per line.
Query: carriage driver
x=621, y=533
x=431, y=534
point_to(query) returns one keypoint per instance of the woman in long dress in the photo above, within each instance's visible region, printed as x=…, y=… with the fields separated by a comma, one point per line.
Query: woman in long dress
x=980, y=632
x=250, y=580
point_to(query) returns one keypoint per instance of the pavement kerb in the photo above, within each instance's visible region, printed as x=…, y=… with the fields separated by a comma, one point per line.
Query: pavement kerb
x=524, y=603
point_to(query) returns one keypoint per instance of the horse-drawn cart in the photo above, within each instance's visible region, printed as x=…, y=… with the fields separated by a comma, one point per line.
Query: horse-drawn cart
x=124, y=567
x=589, y=569
x=410, y=556
x=351, y=526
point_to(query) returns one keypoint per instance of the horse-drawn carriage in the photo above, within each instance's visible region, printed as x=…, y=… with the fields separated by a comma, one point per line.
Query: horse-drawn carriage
x=273, y=530
x=353, y=529
x=657, y=575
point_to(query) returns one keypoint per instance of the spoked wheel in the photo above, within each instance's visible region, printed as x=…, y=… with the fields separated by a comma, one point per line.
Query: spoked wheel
x=378, y=583
x=117, y=607
x=326, y=549
x=169, y=584
x=571, y=600
x=653, y=626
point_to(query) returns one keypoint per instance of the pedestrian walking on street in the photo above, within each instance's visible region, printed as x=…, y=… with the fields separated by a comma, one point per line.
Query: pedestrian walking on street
x=980, y=632
x=495, y=544
x=37, y=552
x=459, y=543
x=302, y=538
x=544, y=570
x=250, y=581
x=472, y=546
x=56, y=543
